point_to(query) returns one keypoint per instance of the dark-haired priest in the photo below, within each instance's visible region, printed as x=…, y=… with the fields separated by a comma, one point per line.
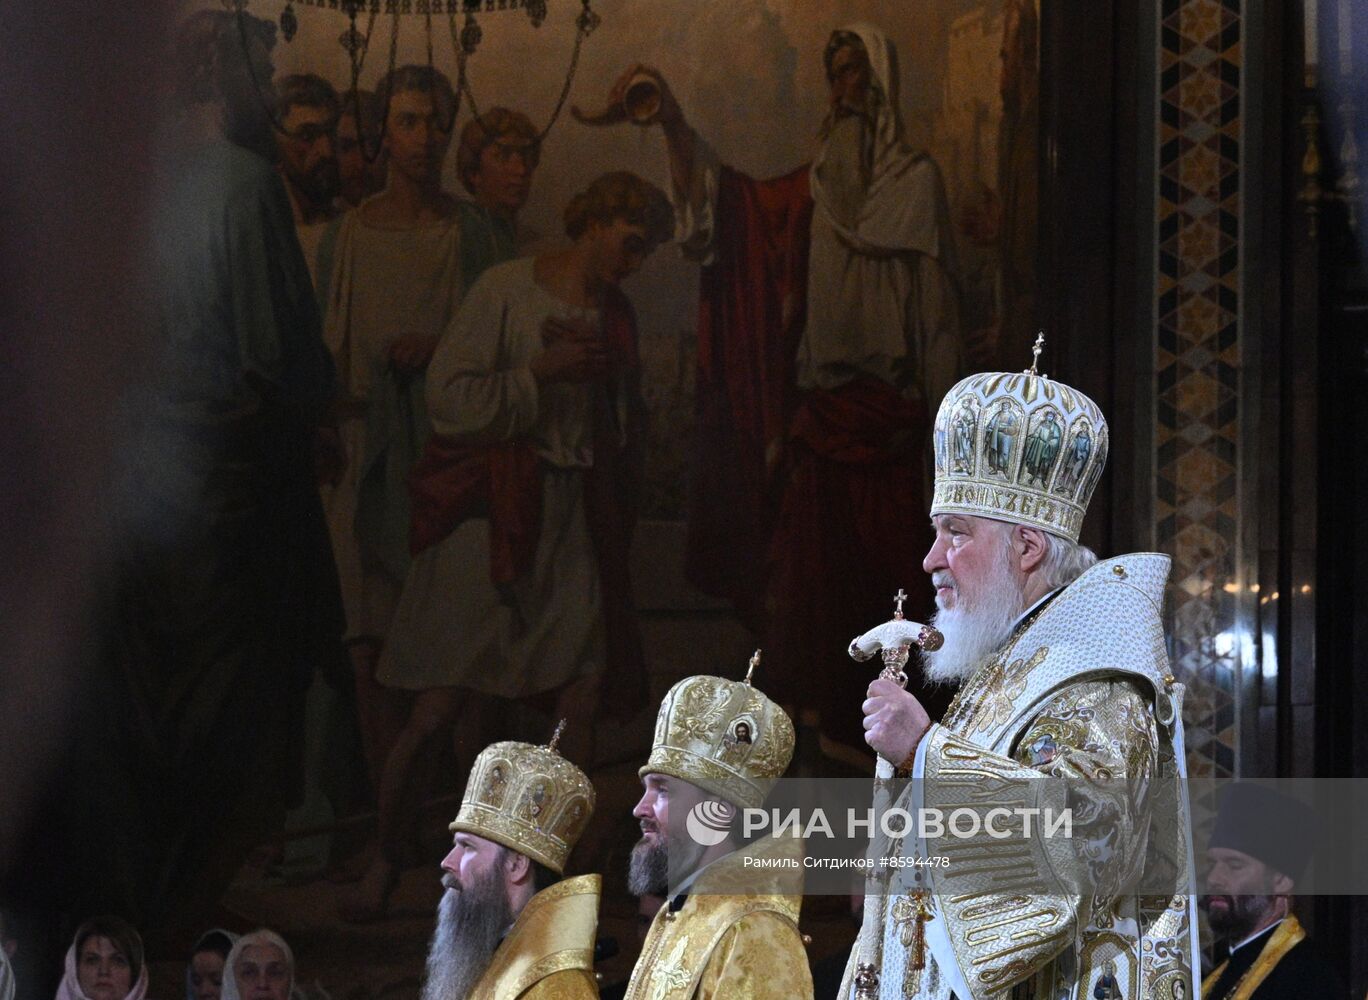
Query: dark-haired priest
x=1260, y=848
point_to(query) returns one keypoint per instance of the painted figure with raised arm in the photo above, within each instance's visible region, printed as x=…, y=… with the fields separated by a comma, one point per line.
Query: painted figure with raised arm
x=828, y=323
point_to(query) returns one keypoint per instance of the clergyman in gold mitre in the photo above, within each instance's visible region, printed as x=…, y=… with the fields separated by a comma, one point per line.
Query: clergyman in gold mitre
x=720, y=746
x=1065, y=689
x=509, y=926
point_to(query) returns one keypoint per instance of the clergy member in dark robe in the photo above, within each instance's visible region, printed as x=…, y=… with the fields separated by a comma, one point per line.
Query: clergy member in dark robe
x=828, y=318
x=226, y=599
x=1260, y=848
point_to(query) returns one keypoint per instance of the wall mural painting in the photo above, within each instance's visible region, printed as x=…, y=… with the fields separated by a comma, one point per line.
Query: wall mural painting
x=714, y=307
x=854, y=188
x=750, y=78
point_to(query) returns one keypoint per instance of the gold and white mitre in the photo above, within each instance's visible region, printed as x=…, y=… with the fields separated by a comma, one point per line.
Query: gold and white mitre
x=723, y=736
x=527, y=798
x=1021, y=448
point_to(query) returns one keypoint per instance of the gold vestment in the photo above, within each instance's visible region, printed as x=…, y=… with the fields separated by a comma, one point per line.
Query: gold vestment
x=549, y=952
x=1082, y=693
x=725, y=947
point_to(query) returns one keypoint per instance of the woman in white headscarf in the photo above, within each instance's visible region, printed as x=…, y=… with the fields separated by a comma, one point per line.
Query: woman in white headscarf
x=260, y=967
x=6, y=977
x=104, y=962
x=208, y=959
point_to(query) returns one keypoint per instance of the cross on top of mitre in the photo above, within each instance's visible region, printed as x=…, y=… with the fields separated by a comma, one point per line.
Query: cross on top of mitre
x=554, y=743
x=898, y=598
x=1036, y=350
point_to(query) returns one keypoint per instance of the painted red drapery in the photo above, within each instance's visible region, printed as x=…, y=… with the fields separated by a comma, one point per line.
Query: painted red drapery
x=807, y=509
x=453, y=482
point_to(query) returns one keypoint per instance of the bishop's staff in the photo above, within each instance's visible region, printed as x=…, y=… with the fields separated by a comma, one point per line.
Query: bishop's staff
x=894, y=640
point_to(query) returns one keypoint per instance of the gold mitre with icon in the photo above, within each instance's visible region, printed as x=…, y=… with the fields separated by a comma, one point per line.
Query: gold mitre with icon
x=527, y=798
x=723, y=736
x=1019, y=447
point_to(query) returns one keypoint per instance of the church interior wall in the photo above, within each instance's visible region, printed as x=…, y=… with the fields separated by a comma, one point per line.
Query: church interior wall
x=1182, y=277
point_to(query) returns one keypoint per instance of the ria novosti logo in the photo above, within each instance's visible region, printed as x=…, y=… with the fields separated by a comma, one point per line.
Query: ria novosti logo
x=708, y=823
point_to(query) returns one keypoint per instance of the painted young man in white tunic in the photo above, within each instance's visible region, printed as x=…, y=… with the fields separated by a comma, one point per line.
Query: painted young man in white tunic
x=521, y=513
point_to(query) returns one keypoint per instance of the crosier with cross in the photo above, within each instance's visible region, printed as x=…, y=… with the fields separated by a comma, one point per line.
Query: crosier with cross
x=894, y=641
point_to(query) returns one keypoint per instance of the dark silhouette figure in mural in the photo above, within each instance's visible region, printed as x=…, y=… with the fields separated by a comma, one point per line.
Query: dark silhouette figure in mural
x=523, y=501
x=225, y=596
x=828, y=318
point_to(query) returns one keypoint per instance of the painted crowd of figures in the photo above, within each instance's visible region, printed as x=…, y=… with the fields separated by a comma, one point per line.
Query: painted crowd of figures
x=383, y=472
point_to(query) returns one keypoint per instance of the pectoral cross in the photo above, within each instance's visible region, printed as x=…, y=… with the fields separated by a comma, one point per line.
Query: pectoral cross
x=899, y=597
x=910, y=914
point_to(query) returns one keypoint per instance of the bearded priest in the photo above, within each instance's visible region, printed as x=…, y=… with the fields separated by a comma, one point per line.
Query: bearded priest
x=509, y=926
x=729, y=927
x=1065, y=696
x=1259, y=850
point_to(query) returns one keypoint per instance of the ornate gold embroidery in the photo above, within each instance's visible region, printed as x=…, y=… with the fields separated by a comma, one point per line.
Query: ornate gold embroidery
x=729, y=903
x=1092, y=710
x=699, y=709
x=1102, y=953
x=528, y=798
x=554, y=933
x=1004, y=975
x=724, y=736
x=995, y=706
x=672, y=975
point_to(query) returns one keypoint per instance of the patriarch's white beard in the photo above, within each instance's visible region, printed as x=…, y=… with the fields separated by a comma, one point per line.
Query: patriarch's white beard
x=976, y=627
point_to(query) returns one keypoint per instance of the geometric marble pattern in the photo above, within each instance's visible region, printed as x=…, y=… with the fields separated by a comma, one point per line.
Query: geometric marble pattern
x=1197, y=361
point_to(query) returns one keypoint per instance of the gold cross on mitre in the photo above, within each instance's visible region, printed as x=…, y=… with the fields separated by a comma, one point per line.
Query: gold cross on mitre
x=910, y=914
x=1036, y=348
x=555, y=737
x=898, y=599
x=754, y=662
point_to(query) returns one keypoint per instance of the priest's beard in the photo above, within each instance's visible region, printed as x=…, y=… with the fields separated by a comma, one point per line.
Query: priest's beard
x=654, y=867
x=1241, y=914
x=648, y=869
x=470, y=921
x=978, y=625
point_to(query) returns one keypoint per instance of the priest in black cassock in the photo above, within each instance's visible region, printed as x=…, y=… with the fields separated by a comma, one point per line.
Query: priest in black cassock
x=1261, y=846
